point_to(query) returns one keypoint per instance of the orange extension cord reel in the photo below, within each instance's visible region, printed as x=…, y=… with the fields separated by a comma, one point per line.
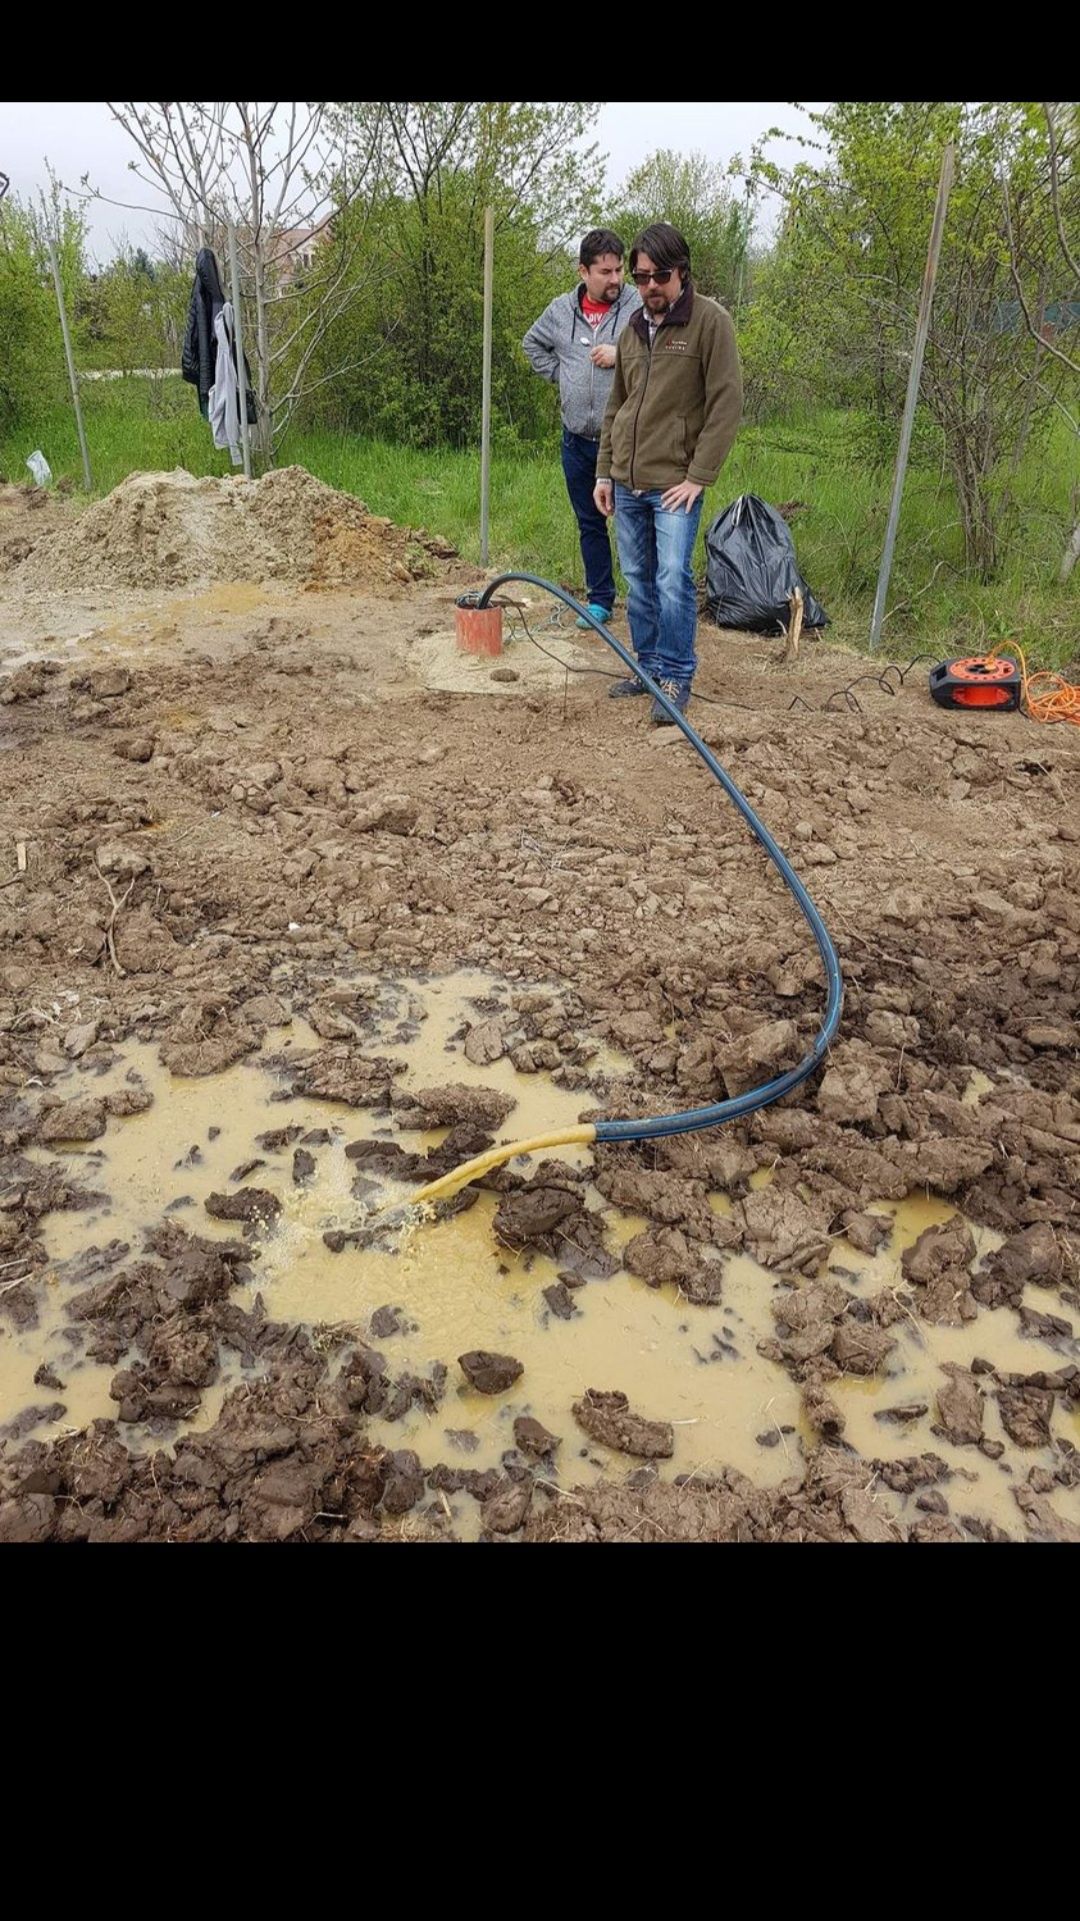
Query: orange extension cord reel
x=984, y=680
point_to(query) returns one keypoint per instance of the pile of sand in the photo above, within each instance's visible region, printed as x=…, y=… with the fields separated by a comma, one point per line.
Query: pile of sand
x=27, y=514
x=171, y=530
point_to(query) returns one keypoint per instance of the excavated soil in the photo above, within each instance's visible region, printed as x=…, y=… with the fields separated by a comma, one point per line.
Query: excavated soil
x=28, y=516
x=248, y=813
x=172, y=530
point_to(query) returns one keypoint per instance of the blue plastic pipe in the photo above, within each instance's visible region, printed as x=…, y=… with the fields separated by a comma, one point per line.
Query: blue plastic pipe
x=693, y=1118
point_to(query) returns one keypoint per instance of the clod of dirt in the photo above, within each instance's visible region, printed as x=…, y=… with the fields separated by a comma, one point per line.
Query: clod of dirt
x=1052, y=1328
x=560, y=1300
x=245, y=1168
x=381, y=1157
x=865, y=1517
x=490, y=1373
x=452, y=1104
x=806, y=1320
x=77, y=1120
x=668, y=1199
x=388, y=814
x=30, y=1417
x=1025, y=1414
x=536, y=1057
x=850, y=1090
x=105, y=683
x=113, y=857
x=867, y=1232
x=507, y=1509
x=658, y=1512
x=783, y=1230
x=387, y=1158
x=758, y=1056
x=338, y=1074
x=533, y=1438
x=276, y=1138
x=1035, y=1255
x=822, y=1412
x=204, y=1042
x=938, y=1265
x=902, y=1415
x=404, y=1482
x=526, y=1219
x=384, y=1322
x=937, y=1251
x=252, y=1204
x=960, y=1407
x=860, y=1348
x=79, y=1038
x=607, y=1418
x=485, y=1042
x=1042, y=1520
x=26, y=683
x=661, y=1256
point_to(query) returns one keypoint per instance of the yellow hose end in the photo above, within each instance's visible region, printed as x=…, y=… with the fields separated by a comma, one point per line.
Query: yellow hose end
x=459, y=1177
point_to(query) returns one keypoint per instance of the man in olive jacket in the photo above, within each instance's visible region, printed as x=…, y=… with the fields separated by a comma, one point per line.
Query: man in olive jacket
x=675, y=406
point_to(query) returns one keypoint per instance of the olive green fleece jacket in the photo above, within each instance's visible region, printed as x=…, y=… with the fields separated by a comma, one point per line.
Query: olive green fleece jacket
x=675, y=408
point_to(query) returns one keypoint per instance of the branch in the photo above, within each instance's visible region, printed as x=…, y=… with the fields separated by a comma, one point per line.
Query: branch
x=318, y=312
x=1074, y=267
x=1073, y=419
x=127, y=206
x=296, y=393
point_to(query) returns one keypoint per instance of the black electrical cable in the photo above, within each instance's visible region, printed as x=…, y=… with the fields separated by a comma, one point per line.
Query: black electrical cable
x=717, y=1112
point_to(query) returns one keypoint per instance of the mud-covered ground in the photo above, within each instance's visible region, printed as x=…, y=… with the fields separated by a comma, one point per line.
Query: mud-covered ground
x=255, y=803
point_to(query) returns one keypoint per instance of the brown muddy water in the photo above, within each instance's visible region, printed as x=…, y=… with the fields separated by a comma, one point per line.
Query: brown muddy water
x=455, y=1287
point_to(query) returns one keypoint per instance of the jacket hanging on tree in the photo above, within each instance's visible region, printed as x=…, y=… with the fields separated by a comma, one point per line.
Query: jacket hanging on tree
x=225, y=393
x=198, y=358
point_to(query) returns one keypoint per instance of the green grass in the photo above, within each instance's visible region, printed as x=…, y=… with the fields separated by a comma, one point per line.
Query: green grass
x=936, y=603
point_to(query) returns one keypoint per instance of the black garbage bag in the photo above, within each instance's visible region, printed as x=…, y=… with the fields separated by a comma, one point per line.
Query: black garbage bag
x=751, y=571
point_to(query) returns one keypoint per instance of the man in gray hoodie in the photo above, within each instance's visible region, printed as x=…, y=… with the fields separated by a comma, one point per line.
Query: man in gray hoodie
x=573, y=343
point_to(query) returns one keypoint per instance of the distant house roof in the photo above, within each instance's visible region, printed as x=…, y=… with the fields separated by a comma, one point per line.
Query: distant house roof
x=294, y=248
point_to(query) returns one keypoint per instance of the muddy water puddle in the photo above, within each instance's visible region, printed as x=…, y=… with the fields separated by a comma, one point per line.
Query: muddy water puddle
x=89, y=628
x=912, y=1376
x=452, y=1287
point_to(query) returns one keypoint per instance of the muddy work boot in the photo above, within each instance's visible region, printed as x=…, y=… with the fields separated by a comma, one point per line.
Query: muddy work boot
x=625, y=689
x=678, y=692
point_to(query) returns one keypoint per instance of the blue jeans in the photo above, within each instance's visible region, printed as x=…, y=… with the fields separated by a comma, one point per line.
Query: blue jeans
x=579, y=466
x=656, y=550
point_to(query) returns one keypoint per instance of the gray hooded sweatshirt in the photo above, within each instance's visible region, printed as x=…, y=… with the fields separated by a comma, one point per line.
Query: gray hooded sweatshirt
x=558, y=346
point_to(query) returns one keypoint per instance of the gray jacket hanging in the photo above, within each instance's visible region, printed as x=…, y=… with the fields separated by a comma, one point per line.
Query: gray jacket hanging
x=198, y=358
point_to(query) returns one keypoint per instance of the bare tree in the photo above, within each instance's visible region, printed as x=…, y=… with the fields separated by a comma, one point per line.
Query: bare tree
x=278, y=173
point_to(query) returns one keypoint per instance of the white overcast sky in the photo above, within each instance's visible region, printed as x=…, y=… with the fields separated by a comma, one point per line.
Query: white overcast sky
x=80, y=136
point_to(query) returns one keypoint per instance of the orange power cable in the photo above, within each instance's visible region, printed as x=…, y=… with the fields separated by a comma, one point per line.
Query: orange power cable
x=1048, y=696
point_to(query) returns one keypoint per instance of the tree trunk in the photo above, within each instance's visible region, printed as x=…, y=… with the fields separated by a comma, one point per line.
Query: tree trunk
x=264, y=430
x=1071, y=555
x=976, y=513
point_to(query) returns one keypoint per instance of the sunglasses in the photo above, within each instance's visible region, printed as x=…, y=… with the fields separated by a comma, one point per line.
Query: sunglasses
x=661, y=279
